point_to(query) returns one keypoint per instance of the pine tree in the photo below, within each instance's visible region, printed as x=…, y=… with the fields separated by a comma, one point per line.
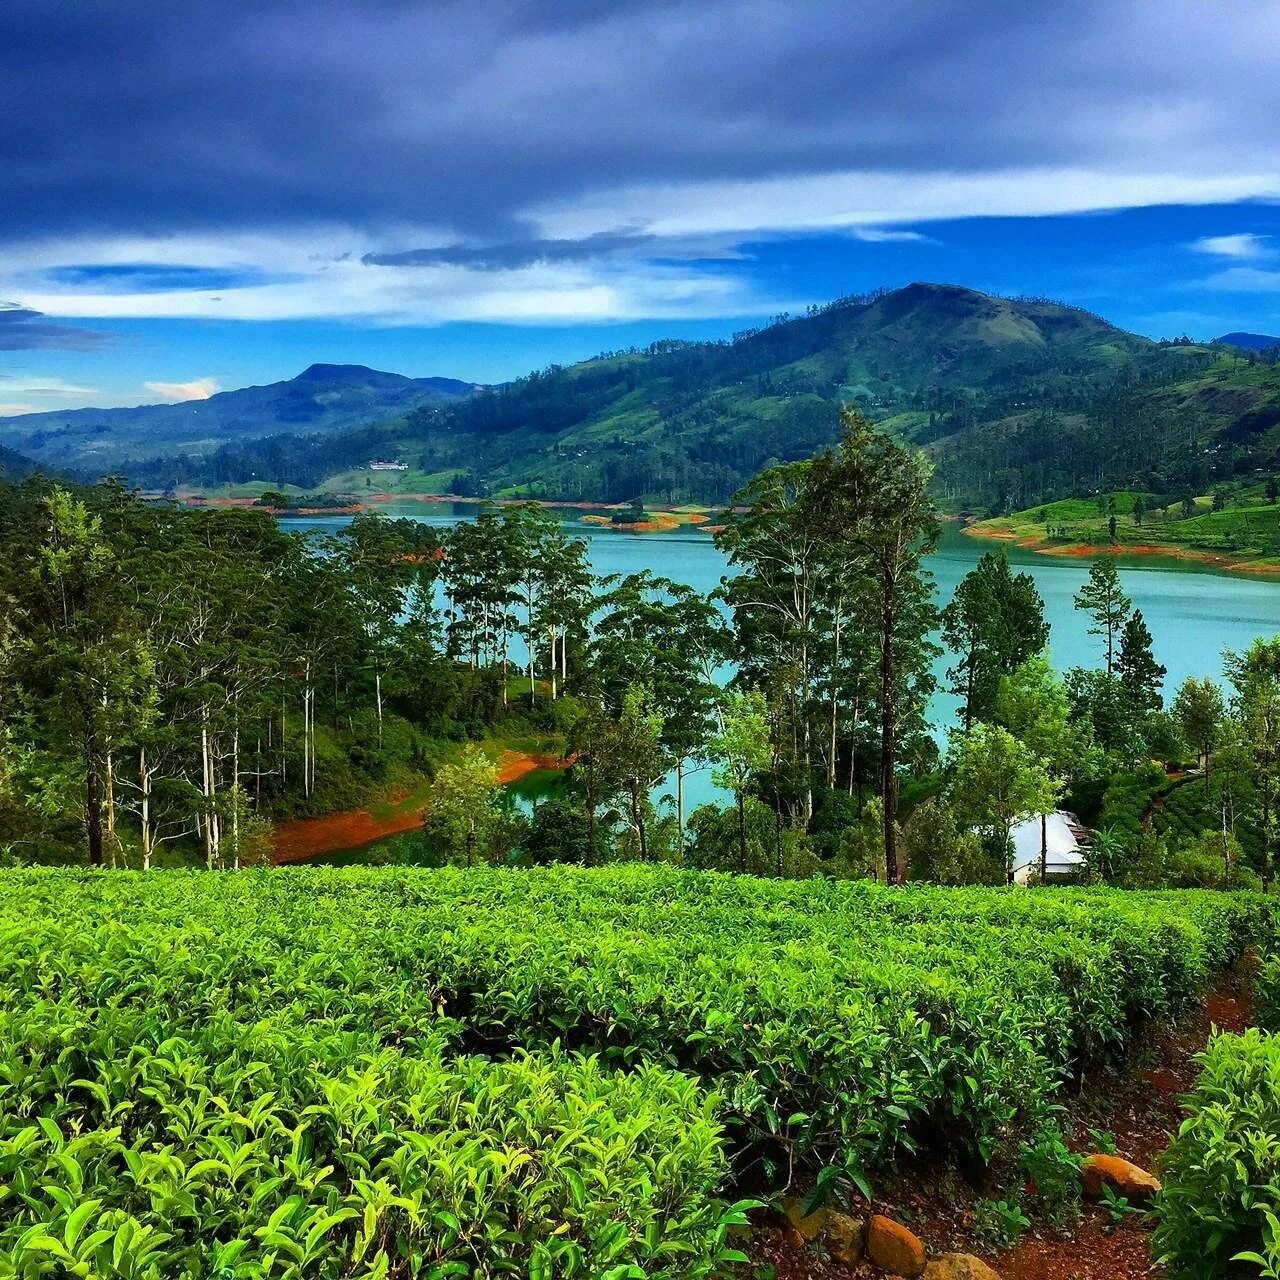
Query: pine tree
x=1103, y=599
x=1141, y=676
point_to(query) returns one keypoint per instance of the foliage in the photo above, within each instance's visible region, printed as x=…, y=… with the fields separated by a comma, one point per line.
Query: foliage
x=995, y=623
x=998, y=782
x=1267, y=993
x=1221, y=1196
x=839, y=1021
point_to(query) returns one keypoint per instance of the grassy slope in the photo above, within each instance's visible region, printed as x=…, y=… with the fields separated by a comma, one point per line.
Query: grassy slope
x=1248, y=530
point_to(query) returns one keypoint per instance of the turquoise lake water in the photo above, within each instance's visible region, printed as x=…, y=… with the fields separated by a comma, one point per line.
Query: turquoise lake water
x=1194, y=612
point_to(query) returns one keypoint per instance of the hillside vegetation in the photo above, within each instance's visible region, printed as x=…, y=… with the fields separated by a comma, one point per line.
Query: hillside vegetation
x=1017, y=401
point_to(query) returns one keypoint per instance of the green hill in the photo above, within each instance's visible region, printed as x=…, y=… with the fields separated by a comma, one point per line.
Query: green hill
x=1018, y=401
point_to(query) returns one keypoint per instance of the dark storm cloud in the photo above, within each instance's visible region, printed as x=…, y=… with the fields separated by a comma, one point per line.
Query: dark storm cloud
x=508, y=256
x=22, y=329
x=140, y=117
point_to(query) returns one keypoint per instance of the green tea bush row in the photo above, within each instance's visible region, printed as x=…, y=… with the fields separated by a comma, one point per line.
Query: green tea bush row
x=1267, y=993
x=1219, y=1211
x=284, y=1149
x=839, y=1021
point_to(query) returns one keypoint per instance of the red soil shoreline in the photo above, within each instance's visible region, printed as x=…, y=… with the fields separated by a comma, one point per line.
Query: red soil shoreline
x=301, y=839
x=1083, y=550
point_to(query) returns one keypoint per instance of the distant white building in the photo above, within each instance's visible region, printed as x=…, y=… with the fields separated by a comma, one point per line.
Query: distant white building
x=388, y=466
x=1064, y=837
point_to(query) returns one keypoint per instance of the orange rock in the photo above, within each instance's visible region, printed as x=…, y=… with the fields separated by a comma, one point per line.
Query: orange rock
x=1125, y=1179
x=959, y=1266
x=894, y=1248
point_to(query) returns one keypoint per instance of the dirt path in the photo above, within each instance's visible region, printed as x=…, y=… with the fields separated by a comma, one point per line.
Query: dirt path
x=1141, y=1110
x=301, y=839
x=1146, y=1113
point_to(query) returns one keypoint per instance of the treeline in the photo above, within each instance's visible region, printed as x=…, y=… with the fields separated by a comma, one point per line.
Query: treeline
x=170, y=677
x=176, y=678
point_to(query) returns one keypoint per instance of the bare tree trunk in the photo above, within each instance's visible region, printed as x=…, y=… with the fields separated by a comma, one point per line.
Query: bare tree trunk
x=680, y=809
x=92, y=801
x=888, y=722
x=144, y=808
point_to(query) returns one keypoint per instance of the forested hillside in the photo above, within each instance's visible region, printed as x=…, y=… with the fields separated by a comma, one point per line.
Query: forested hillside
x=1017, y=401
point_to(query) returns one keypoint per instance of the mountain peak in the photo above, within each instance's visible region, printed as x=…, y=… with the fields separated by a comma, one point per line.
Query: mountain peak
x=339, y=373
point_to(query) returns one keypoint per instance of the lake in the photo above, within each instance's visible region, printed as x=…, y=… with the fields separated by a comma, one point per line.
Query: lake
x=1193, y=611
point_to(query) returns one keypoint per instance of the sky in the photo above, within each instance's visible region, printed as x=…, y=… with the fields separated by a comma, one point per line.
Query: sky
x=200, y=197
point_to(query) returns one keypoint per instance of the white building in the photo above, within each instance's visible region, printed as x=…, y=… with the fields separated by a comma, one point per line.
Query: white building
x=1064, y=837
x=388, y=466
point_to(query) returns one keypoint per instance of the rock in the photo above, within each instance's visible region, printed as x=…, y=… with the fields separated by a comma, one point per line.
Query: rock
x=959, y=1266
x=843, y=1237
x=1125, y=1179
x=893, y=1248
x=807, y=1226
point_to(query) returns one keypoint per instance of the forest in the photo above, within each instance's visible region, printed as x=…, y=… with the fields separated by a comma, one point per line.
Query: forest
x=176, y=680
x=1016, y=401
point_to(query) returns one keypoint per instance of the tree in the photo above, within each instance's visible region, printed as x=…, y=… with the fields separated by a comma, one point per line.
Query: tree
x=1105, y=602
x=997, y=782
x=1033, y=705
x=1255, y=678
x=741, y=751
x=1199, y=709
x=463, y=811
x=994, y=623
x=941, y=852
x=1273, y=489
x=640, y=758
x=1141, y=676
x=872, y=495
x=1139, y=509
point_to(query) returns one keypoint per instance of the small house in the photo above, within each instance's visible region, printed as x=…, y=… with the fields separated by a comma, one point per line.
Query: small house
x=1063, y=836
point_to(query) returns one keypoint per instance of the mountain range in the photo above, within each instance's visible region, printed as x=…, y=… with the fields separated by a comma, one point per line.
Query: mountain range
x=321, y=399
x=1016, y=401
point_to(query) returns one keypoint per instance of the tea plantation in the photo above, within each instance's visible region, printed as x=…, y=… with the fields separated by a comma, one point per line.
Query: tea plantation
x=368, y=1072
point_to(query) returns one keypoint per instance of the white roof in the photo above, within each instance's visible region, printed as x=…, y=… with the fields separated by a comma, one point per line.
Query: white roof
x=1065, y=853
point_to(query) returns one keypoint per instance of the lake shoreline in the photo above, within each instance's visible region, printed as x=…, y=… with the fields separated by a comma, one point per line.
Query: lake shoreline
x=300, y=840
x=1086, y=550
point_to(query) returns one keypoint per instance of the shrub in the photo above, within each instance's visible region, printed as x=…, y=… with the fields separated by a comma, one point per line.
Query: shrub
x=1221, y=1197
x=1267, y=994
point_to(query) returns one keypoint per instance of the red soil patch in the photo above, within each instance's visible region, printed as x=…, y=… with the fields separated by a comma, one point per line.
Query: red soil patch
x=301, y=839
x=1086, y=550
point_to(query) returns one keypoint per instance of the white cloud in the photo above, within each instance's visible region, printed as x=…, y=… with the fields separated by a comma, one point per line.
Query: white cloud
x=885, y=235
x=320, y=275
x=871, y=198
x=1245, y=280
x=196, y=389
x=1241, y=245
x=11, y=410
x=13, y=384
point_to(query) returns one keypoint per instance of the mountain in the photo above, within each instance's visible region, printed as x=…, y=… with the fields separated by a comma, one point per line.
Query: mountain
x=1250, y=341
x=1016, y=401
x=321, y=399
x=14, y=466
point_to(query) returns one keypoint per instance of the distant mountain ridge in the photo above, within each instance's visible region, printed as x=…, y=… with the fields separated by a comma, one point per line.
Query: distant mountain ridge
x=1250, y=341
x=321, y=399
x=1016, y=401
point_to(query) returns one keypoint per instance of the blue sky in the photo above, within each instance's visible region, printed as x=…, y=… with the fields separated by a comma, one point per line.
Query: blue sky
x=199, y=200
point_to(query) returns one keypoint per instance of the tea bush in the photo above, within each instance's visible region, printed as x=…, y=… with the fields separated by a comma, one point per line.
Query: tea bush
x=131, y=1149
x=1221, y=1196
x=1267, y=993
x=832, y=1023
